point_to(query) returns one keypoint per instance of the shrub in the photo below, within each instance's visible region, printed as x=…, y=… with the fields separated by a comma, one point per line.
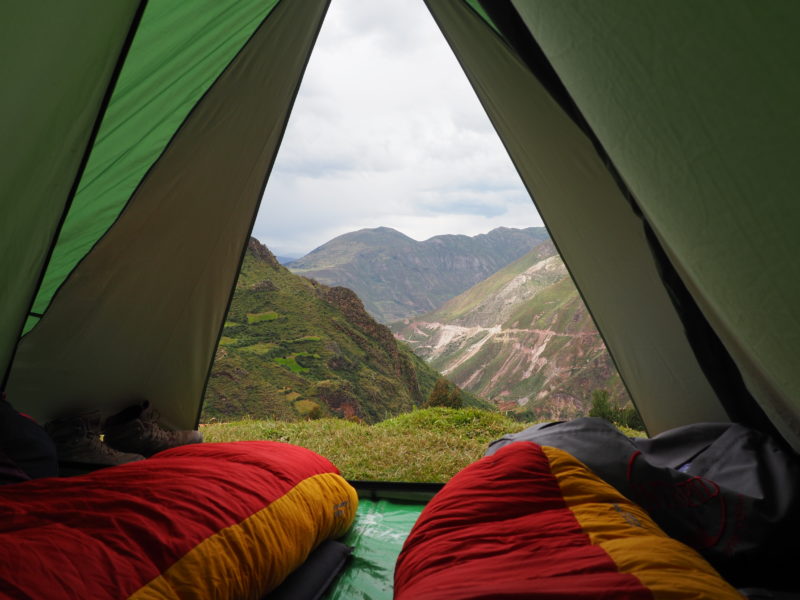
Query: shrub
x=625, y=417
x=308, y=409
x=601, y=406
x=444, y=394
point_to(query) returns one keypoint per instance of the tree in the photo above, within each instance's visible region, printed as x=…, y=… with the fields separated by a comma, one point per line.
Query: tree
x=444, y=394
x=631, y=418
x=456, y=401
x=601, y=406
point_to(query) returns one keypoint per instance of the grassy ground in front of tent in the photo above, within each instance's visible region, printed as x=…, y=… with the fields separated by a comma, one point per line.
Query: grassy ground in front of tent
x=428, y=445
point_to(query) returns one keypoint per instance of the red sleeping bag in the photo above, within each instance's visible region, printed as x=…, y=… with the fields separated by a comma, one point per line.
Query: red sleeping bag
x=534, y=522
x=201, y=521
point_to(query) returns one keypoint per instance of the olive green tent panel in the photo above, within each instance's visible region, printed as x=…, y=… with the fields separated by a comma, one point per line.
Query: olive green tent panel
x=697, y=106
x=58, y=60
x=141, y=315
x=180, y=48
x=597, y=233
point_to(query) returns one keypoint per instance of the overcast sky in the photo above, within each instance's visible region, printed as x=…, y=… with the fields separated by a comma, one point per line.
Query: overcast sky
x=387, y=131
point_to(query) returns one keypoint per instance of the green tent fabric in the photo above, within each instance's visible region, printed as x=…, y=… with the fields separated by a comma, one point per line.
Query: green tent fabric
x=140, y=316
x=697, y=107
x=656, y=140
x=177, y=53
x=52, y=100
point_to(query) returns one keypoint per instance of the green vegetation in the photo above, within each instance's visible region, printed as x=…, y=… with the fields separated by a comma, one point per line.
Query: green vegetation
x=308, y=409
x=480, y=425
x=260, y=348
x=423, y=445
x=444, y=394
x=269, y=315
x=603, y=408
x=289, y=341
x=291, y=362
x=430, y=444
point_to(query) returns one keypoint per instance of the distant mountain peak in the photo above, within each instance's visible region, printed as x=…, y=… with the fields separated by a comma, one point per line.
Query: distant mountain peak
x=372, y=231
x=397, y=276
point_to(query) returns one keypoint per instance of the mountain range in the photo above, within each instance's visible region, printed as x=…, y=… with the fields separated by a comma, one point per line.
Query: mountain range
x=521, y=339
x=295, y=348
x=397, y=277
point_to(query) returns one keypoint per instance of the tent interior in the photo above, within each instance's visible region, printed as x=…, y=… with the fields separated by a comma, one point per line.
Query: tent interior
x=656, y=140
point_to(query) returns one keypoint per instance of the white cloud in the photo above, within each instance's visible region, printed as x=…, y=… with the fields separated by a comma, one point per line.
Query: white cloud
x=387, y=131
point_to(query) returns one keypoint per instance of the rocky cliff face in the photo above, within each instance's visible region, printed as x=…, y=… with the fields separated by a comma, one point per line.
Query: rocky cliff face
x=397, y=276
x=260, y=252
x=521, y=339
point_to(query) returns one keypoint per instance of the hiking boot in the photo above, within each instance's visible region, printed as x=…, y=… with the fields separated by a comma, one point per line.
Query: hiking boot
x=77, y=440
x=136, y=429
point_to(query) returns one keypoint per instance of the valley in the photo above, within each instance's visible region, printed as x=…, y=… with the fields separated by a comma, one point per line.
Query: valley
x=295, y=349
x=522, y=339
x=519, y=340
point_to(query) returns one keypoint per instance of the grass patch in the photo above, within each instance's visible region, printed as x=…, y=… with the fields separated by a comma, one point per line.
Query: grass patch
x=270, y=315
x=469, y=423
x=259, y=348
x=291, y=364
x=424, y=445
x=227, y=341
x=231, y=324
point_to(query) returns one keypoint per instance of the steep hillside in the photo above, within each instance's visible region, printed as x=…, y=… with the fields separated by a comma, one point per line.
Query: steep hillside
x=521, y=339
x=397, y=276
x=293, y=348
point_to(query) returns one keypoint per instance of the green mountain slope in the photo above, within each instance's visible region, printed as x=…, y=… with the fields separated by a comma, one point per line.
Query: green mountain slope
x=293, y=348
x=397, y=276
x=521, y=339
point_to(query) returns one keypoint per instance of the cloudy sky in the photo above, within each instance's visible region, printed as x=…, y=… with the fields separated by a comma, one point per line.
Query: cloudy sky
x=387, y=131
